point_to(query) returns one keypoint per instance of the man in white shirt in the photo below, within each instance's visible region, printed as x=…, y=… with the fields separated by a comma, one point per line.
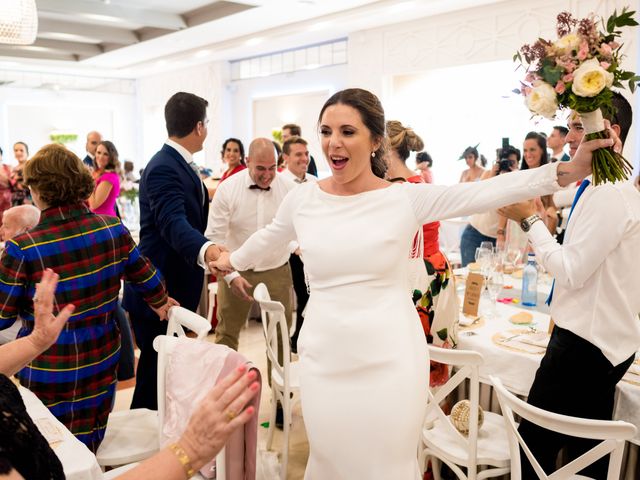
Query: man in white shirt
x=594, y=304
x=296, y=157
x=243, y=204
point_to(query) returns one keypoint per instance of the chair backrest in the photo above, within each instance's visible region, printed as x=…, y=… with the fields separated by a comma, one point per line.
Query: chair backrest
x=612, y=433
x=181, y=318
x=468, y=363
x=274, y=326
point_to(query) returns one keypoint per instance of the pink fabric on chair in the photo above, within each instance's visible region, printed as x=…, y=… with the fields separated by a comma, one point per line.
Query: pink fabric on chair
x=185, y=388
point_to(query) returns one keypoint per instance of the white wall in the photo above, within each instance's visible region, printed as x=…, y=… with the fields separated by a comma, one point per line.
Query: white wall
x=207, y=81
x=30, y=115
x=476, y=35
x=244, y=93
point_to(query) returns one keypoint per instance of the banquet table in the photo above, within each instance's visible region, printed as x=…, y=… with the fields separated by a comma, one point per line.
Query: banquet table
x=516, y=368
x=78, y=462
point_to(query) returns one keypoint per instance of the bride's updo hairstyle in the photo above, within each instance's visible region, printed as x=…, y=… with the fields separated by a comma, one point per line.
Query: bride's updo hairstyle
x=372, y=114
x=403, y=139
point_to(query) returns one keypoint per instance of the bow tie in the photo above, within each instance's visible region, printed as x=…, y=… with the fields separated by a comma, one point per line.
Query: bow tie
x=258, y=187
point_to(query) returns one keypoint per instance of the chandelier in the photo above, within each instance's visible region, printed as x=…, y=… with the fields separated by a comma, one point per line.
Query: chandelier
x=18, y=22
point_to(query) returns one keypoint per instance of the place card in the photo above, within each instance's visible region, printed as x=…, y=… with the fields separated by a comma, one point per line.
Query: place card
x=49, y=429
x=472, y=293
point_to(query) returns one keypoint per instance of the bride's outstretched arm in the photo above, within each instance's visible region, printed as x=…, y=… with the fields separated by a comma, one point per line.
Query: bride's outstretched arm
x=432, y=202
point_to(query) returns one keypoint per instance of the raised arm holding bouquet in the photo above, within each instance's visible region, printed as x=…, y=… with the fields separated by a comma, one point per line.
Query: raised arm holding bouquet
x=577, y=71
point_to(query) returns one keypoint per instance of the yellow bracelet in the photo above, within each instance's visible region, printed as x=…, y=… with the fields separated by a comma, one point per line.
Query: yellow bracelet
x=183, y=458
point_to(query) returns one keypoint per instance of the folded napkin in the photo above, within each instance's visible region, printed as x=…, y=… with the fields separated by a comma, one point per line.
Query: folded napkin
x=465, y=320
x=634, y=369
x=539, y=339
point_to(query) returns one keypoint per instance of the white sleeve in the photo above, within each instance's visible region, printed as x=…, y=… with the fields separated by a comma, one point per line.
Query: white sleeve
x=219, y=216
x=594, y=234
x=278, y=234
x=564, y=198
x=438, y=202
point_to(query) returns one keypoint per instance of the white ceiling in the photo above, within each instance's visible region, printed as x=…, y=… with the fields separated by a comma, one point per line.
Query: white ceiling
x=126, y=39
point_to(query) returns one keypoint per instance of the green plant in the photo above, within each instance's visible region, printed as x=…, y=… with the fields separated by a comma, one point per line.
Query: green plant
x=63, y=138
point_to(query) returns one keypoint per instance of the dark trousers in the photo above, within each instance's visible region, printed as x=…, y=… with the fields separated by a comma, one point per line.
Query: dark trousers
x=146, y=328
x=126, y=363
x=575, y=379
x=302, y=296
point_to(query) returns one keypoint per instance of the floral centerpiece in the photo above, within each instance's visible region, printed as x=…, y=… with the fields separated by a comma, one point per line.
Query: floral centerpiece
x=577, y=71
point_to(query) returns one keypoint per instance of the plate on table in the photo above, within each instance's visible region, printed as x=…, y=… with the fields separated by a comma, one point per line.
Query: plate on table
x=522, y=340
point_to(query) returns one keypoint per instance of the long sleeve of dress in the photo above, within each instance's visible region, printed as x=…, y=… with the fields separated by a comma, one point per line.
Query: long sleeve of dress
x=437, y=202
x=280, y=232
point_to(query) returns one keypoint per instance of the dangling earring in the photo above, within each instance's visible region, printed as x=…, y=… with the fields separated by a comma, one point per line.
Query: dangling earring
x=373, y=154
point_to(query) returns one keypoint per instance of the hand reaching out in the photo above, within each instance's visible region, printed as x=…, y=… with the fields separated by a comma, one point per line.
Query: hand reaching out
x=47, y=326
x=163, y=310
x=222, y=265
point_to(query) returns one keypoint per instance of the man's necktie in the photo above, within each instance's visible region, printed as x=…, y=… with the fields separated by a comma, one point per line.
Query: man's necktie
x=196, y=170
x=258, y=187
x=583, y=186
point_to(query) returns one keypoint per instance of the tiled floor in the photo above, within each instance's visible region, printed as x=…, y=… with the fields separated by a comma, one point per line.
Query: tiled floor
x=252, y=346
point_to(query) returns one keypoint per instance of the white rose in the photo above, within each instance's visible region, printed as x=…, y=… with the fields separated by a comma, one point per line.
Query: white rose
x=590, y=79
x=568, y=43
x=542, y=99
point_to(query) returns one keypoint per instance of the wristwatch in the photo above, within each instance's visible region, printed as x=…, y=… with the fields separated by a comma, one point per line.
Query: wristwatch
x=525, y=223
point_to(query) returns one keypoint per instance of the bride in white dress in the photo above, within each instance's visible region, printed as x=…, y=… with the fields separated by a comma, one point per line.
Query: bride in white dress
x=363, y=357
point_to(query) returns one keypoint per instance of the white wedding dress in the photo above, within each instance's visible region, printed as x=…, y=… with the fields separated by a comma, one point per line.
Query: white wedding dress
x=363, y=356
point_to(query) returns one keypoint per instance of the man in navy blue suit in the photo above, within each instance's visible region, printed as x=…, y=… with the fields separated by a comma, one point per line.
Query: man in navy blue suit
x=174, y=205
x=93, y=139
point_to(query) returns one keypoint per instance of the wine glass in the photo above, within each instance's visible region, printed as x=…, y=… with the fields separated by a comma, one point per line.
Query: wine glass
x=512, y=256
x=495, y=282
x=487, y=245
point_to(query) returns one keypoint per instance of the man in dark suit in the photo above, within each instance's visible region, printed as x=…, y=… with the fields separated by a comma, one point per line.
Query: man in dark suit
x=173, y=216
x=93, y=139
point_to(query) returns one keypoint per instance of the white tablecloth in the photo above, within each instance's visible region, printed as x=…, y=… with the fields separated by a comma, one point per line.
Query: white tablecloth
x=77, y=460
x=517, y=369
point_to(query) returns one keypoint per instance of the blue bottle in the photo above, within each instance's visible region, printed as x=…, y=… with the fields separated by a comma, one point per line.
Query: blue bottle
x=530, y=283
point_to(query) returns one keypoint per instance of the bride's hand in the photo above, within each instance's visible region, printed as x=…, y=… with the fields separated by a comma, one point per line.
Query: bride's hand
x=222, y=265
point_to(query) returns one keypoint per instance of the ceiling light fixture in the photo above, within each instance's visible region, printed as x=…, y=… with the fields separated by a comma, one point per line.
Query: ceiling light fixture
x=19, y=22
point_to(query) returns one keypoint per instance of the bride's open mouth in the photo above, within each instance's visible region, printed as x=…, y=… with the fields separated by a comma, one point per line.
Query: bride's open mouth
x=339, y=162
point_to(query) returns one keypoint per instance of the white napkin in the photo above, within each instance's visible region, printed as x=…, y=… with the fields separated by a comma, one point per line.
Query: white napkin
x=634, y=369
x=465, y=321
x=539, y=339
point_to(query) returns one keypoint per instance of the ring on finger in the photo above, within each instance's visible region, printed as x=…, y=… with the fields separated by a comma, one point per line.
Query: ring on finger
x=230, y=415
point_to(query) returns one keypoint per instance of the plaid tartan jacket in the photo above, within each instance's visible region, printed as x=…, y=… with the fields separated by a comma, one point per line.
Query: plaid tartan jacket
x=91, y=253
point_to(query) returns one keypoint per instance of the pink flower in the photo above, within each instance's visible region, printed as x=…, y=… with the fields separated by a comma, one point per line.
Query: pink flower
x=559, y=88
x=605, y=65
x=605, y=50
x=614, y=45
x=584, y=50
x=568, y=78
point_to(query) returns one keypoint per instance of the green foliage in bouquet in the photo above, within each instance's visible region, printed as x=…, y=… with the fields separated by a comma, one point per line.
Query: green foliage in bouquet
x=131, y=194
x=577, y=71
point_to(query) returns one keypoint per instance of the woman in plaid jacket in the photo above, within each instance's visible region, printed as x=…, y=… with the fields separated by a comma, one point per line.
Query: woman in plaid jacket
x=76, y=377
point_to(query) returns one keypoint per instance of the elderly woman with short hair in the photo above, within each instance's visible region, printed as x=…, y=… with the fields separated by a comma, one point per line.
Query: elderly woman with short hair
x=76, y=376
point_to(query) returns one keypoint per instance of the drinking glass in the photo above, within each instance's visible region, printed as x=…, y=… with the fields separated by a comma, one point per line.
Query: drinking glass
x=495, y=282
x=487, y=245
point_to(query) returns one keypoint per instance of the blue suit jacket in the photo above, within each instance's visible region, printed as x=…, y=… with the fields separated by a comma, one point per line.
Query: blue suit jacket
x=173, y=218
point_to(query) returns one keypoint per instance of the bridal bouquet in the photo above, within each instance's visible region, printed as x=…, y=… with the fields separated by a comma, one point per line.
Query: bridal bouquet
x=577, y=71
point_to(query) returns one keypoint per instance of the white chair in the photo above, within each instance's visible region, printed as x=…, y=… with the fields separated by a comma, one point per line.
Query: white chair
x=487, y=446
x=164, y=345
x=285, y=383
x=612, y=433
x=132, y=435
